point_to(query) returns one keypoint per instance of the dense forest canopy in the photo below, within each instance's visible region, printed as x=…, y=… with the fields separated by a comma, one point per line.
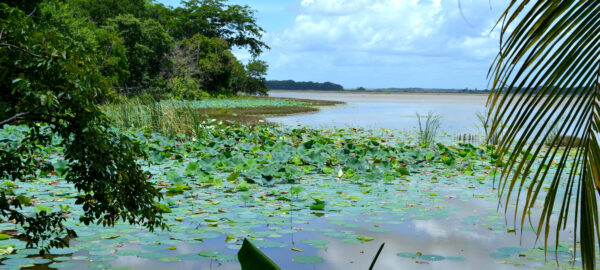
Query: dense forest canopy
x=293, y=85
x=149, y=48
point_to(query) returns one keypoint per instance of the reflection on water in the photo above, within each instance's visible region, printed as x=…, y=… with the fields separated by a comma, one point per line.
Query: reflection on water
x=453, y=236
x=391, y=111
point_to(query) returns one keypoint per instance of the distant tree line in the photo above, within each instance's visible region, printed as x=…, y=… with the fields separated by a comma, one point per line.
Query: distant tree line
x=430, y=90
x=293, y=85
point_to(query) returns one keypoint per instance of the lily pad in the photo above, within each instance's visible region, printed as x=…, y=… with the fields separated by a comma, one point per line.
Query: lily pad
x=407, y=255
x=100, y=266
x=62, y=265
x=317, y=243
x=170, y=259
x=209, y=253
x=431, y=257
x=308, y=259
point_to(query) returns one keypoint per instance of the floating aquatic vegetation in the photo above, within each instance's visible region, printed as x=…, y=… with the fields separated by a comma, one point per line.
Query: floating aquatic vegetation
x=285, y=189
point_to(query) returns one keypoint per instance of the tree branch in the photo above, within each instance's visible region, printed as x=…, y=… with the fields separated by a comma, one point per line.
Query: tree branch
x=23, y=50
x=34, y=116
x=31, y=14
x=16, y=117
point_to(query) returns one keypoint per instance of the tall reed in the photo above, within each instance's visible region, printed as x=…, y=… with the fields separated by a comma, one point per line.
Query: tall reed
x=428, y=131
x=486, y=123
x=148, y=114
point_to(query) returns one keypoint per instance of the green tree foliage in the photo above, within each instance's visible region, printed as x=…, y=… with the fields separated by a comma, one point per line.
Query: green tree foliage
x=292, y=85
x=215, y=19
x=139, y=36
x=51, y=80
x=186, y=88
x=115, y=64
x=159, y=13
x=546, y=103
x=147, y=47
x=99, y=11
x=208, y=61
x=250, y=79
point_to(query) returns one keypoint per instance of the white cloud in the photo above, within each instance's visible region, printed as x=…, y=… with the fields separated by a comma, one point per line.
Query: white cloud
x=363, y=25
x=358, y=34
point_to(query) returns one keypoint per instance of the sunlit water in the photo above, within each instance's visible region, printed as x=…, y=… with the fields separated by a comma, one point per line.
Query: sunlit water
x=390, y=111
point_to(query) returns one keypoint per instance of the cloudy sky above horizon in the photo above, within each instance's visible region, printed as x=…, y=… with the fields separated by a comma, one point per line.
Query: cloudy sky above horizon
x=379, y=43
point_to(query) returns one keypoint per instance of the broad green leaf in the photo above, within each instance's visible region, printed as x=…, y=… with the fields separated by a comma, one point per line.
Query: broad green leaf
x=253, y=259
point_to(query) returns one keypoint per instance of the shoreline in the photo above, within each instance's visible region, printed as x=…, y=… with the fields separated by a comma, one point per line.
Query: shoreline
x=357, y=92
x=385, y=97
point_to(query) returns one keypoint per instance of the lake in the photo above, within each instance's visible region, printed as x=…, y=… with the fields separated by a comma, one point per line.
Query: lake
x=435, y=215
x=388, y=110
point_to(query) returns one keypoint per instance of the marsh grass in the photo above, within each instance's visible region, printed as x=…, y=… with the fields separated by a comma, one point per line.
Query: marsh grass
x=468, y=138
x=176, y=118
x=486, y=123
x=428, y=130
x=563, y=141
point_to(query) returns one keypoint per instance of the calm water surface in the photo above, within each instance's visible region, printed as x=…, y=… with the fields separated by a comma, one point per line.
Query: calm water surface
x=390, y=111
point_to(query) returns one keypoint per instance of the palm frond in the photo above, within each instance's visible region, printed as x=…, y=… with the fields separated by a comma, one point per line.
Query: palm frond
x=546, y=94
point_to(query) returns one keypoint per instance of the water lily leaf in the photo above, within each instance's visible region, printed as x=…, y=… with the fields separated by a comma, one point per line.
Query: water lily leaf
x=62, y=265
x=170, y=259
x=209, y=253
x=39, y=208
x=18, y=261
x=24, y=200
x=308, y=259
x=150, y=255
x=100, y=266
x=454, y=258
x=163, y=208
x=317, y=207
x=127, y=252
x=317, y=243
x=407, y=255
x=62, y=251
x=365, y=238
x=192, y=168
x=431, y=257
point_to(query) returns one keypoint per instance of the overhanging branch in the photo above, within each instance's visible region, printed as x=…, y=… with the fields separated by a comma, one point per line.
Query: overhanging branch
x=35, y=116
x=23, y=50
x=14, y=118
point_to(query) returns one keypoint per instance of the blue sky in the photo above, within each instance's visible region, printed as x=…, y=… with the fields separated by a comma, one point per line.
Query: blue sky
x=379, y=43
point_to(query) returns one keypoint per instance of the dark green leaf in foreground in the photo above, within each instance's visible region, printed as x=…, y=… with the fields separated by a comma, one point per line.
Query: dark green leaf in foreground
x=253, y=259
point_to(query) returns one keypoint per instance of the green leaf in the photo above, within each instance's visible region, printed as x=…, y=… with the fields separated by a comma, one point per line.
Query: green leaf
x=403, y=171
x=23, y=200
x=253, y=259
x=39, y=208
x=317, y=207
x=308, y=259
x=162, y=208
x=192, y=168
x=233, y=176
x=365, y=238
